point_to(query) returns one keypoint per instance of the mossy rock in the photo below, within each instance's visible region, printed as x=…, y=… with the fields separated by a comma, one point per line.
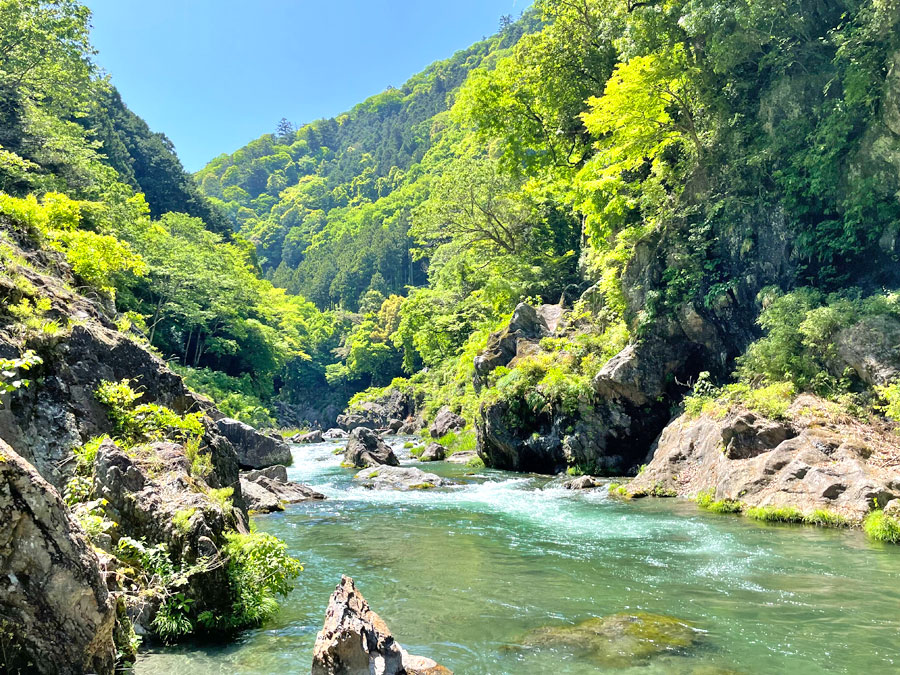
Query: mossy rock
x=619, y=640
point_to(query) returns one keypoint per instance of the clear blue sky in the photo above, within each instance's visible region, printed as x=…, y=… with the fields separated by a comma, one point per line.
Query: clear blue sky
x=215, y=74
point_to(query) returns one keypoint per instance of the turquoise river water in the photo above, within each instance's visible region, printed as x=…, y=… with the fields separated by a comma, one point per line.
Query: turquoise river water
x=462, y=574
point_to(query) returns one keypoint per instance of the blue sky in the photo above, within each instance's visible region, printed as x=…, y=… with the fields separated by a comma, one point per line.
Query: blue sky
x=215, y=74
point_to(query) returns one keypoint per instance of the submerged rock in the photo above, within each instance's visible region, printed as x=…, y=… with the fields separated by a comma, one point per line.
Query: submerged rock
x=446, y=421
x=56, y=615
x=365, y=448
x=620, y=640
x=400, y=478
x=435, y=452
x=462, y=457
x=356, y=641
x=255, y=450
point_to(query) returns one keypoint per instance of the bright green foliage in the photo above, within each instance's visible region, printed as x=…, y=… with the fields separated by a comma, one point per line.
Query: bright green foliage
x=182, y=519
x=222, y=497
x=462, y=441
x=825, y=518
x=890, y=394
x=259, y=570
x=145, y=422
x=10, y=380
x=881, y=527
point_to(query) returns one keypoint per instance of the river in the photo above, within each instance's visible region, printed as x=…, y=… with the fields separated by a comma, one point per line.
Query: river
x=462, y=574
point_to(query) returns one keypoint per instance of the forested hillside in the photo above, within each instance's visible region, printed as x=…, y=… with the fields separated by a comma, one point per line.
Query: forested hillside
x=675, y=158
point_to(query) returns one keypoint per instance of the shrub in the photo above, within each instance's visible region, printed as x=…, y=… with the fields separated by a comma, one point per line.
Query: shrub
x=259, y=571
x=462, y=441
x=182, y=519
x=222, y=497
x=881, y=527
x=707, y=499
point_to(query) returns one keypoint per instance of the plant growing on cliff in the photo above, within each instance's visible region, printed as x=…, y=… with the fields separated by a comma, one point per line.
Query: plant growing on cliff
x=148, y=421
x=10, y=379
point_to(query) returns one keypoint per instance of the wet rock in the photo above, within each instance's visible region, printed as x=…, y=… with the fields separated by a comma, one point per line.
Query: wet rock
x=433, y=453
x=824, y=463
x=311, y=437
x=620, y=640
x=365, y=448
x=446, y=421
x=54, y=604
x=582, y=483
x=410, y=426
x=356, y=641
x=394, y=426
x=254, y=449
x=334, y=434
x=399, y=478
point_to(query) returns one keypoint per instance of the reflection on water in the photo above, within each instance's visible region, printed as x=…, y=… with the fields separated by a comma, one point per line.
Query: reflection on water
x=463, y=574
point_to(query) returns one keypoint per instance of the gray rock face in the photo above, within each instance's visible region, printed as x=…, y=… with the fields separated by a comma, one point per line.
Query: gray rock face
x=254, y=450
x=365, y=448
x=396, y=405
x=818, y=463
x=527, y=326
x=872, y=348
x=267, y=490
x=311, y=437
x=446, y=421
x=433, y=453
x=146, y=491
x=399, y=478
x=53, y=598
x=356, y=641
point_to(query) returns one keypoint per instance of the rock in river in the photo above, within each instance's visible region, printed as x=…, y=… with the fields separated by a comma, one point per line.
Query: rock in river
x=620, y=640
x=311, y=437
x=269, y=490
x=365, y=448
x=254, y=449
x=356, y=641
x=433, y=453
x=399, y=478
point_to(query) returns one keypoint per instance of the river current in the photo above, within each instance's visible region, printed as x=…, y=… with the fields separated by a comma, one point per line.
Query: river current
x=462, y=574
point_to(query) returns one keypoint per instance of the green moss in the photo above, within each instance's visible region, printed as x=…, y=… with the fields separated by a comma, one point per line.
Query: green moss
x=881, y=527
x=618, y=489
x=422, y=486
x=475, y=463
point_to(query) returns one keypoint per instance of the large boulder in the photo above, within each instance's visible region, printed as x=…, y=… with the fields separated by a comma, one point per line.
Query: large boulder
x=365, y=448
x=819, y=461
x=435, y=452
x=399, y=478
x=153, y=495
x=446, y=421
x=268, y=490
x=55, y=609
x=334, y=434
x=254, y=449
x=310, y=437
x=356, y=641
